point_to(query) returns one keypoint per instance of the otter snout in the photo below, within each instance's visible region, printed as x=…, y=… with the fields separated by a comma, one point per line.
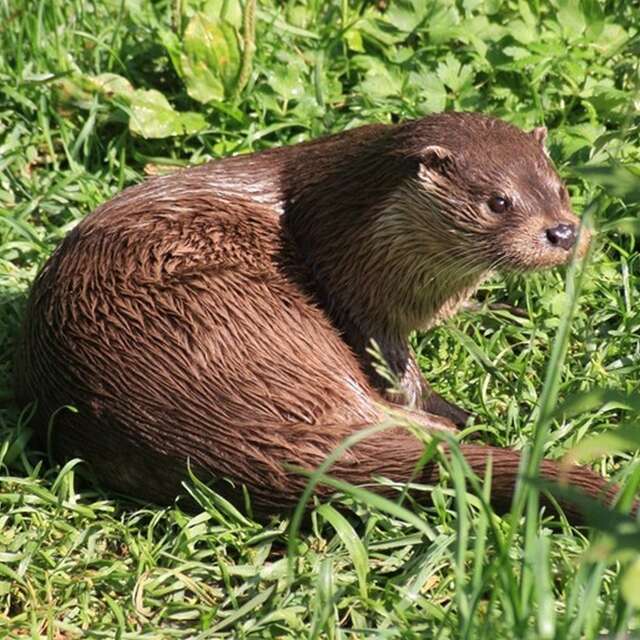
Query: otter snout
x=544, y=242
x=563, y=235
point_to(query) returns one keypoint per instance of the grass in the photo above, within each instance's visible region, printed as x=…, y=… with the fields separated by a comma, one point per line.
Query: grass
x=79, y=562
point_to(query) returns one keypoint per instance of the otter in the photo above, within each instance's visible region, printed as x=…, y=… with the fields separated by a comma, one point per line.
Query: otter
x=223, y=314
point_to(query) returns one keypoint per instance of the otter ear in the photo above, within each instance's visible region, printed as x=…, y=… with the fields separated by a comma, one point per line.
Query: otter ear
x=539, y=134
x=435, y=158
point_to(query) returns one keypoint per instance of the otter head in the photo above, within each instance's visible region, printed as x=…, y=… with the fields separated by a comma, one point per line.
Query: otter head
x=401, y=224
x=492, y=190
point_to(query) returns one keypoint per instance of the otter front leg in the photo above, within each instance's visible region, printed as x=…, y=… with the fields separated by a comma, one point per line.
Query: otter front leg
x=393, y=371
x=429, y=421
x=429, y=402
x=434, y=403
x=414, y=392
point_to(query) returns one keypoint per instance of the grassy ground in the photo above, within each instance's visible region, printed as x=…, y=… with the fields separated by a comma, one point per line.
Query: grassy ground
x=94, y=95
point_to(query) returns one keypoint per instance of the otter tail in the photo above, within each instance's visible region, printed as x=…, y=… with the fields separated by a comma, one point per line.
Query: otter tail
x=395, y=454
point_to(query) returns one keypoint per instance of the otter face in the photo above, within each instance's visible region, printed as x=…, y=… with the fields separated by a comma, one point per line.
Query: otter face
x=496, y=189
x=539, y=229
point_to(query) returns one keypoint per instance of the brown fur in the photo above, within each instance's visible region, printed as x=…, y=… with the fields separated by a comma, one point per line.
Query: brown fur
x=222, y=313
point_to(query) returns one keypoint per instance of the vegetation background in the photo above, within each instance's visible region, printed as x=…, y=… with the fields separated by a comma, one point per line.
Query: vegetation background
x=94, y=95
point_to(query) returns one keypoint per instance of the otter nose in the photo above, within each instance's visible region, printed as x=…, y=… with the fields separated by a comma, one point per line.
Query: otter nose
x=564, y=235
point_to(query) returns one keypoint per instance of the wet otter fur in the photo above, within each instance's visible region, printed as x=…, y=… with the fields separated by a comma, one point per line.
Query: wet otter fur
x=222, y=314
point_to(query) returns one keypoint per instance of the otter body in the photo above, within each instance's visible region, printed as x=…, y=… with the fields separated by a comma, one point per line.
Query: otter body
x=222, y=314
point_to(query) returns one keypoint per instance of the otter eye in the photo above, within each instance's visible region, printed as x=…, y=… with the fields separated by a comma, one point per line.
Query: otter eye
x=499, y=204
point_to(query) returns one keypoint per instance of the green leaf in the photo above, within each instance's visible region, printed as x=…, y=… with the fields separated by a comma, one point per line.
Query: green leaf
x=517, y=53
x=546, y=617
x=594, y=399
x=630, y=226
x=380, y=85
x=351, y=541
x=616, y=440
x=233, y=615
x=287, y=81
x=173, y=46
x=622, y=531
x=523, y=32
x=575, y=138
x=571, y=17
x=110, y=84
x=191, y=122
x=630, y=584
x=594, y=17
x=406, y=15
x=68, y=91
x=151, y=116
x=492, y=6
x=609, y=100
x=203, y=84
x=620, y=180
x=454, y=74
x=371, y=499
x=443, y=24
x=431, y=90
x=380, y=80
x=526, y=13
x=380, y=32
x=612, y=38
x=353, y=38
x=228, y=10
x=211, y=58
